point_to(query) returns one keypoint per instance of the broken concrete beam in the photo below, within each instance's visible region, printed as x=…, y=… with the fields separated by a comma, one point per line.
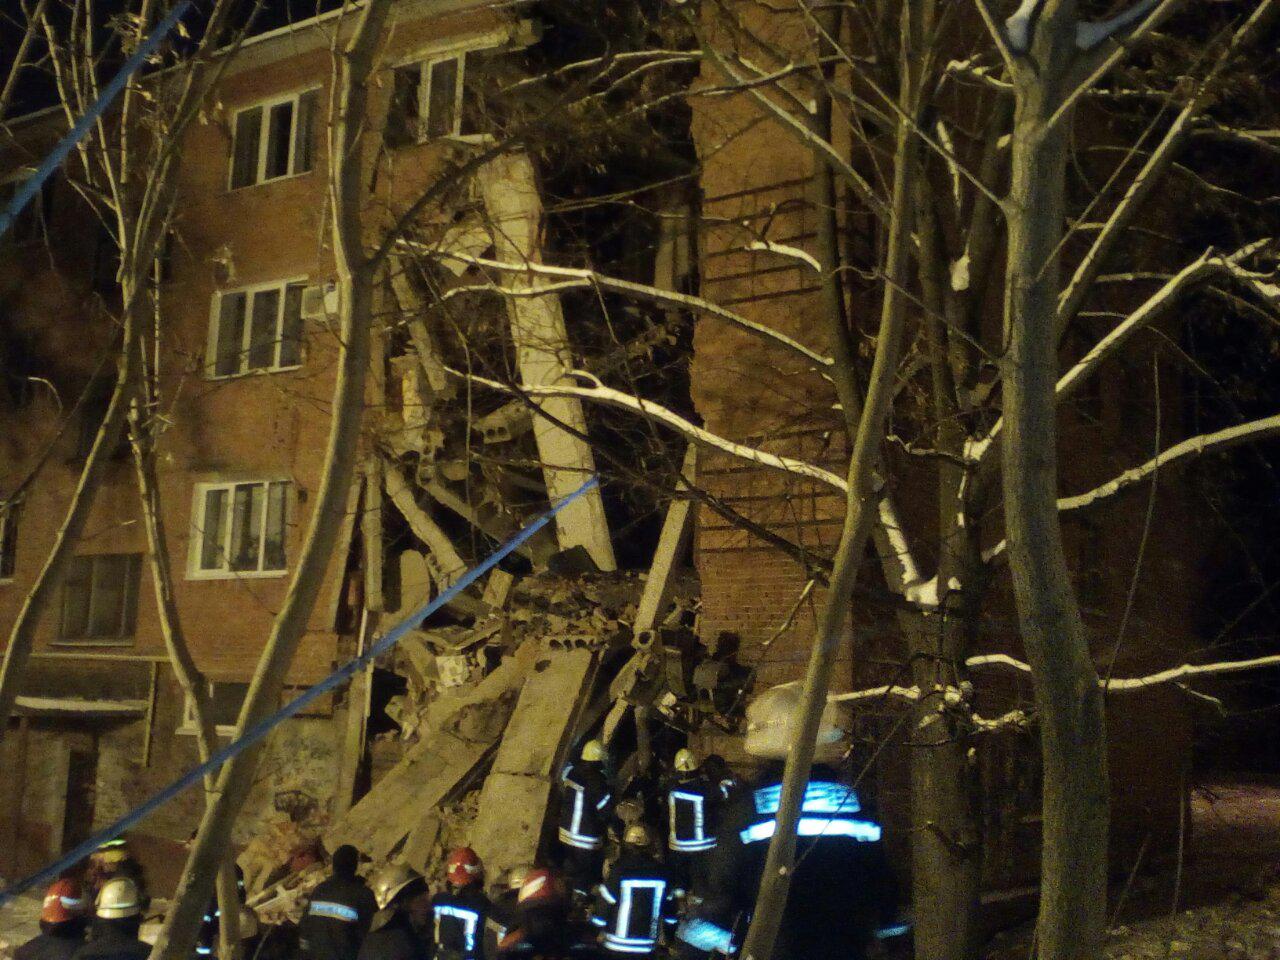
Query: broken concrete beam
x=497, y=589
x=539, y=548
x=447, y=565
x=671, y=544
x=543, y=356
x=514, y=800
x=509, y=422
x=400, y=802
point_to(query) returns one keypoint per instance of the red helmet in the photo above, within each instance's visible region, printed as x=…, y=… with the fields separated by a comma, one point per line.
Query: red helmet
x=463, y=867
x=540, y=886
x=64, y=901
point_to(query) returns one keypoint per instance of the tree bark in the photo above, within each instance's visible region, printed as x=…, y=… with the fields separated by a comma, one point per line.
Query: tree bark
x=356, y=289
x=861, y=505
x=1075, y=811
x=190, y=679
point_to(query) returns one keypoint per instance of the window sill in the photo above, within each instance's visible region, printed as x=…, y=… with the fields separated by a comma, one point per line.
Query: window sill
x=236, y=574
x=266, y=183
x=253, y=373
x=193, y=732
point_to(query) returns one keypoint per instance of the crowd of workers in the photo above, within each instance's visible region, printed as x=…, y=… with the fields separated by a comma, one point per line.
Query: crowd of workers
x=670, y=868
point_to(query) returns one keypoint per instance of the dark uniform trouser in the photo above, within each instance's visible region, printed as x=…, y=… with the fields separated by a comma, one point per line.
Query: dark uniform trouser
x=582, y=868
x=692, y=870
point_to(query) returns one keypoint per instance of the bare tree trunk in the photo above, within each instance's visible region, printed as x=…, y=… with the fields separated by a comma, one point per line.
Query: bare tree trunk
x=860, y=514
x=1073, y=891
x=188, y=674
x=22, y=636
x=356, y=287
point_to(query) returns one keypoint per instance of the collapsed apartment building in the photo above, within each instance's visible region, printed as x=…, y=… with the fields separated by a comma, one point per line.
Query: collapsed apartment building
x=460, y=733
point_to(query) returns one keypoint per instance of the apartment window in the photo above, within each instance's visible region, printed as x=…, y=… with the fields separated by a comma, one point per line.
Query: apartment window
x=256, y=330
x=225, y=700
x=273, y=140
x=8, y=539
x=436, y=97
x=100, y=598
x=239, y=528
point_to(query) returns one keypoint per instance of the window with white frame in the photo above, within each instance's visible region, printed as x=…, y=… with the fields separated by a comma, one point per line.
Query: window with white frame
x=273, y=139
x=8, y=539
x=224, y=702
x=437, y=97
x=100, y=598
x=239, y=528
x=255, y=329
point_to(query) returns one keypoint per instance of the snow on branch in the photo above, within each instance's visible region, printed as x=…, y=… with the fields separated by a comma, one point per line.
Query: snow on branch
x=570, y=277
x=1092, y=33
x=1193, y=447
x=598, y=393
x=783, y=250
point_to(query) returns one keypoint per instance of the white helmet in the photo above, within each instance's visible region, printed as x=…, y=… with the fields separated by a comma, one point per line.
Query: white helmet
x=772, y=725
x=593, y=751
x=118, y=899
x=392, y=879
x=516, y=877
x=636, y=835
x=686, y=760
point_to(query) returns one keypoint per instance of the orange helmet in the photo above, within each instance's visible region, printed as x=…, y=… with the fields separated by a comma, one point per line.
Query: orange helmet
x=63, y=902
x=540, y=886
x=463, y=867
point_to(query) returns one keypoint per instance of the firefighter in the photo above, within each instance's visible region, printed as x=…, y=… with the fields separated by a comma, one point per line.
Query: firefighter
x=504, y=916
x=542, y=925
x=636, y=900
x=113, y=858
x=585, y=810
x=211, y=922
x=63, y=920
x=338, y=916
x=693, y=809
x=403, y=928
x=461, y=912
x=842, y=891
x=117, y=919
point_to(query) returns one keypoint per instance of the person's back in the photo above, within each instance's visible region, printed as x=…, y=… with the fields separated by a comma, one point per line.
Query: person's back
x=339, y=912
x=117, y=918
x=396, y=939
x=635, y=898
x=62, y=924
x=460, y=917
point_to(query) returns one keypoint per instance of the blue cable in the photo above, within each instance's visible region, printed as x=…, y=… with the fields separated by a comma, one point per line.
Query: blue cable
x=260, y=730
x=22, y=196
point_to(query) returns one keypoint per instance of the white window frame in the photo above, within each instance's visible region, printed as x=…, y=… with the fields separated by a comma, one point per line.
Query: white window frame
x=260, y=170
x=424, y=60
x=250, y=292
x=187, y=726
x=196, y=545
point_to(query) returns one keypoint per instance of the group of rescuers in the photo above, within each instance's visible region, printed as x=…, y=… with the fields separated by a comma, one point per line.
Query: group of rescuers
x=615, y=886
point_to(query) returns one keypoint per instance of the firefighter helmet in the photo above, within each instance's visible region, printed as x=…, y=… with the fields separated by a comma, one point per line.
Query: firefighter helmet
x=115, y=850
x=637, y=835
x=516, y=877
x=118, y=899
x=540, y=886
x=593, y=751
x=391, y=881
x=463, y=867
x=772, y=725
x=63, y=901
x=686, y=760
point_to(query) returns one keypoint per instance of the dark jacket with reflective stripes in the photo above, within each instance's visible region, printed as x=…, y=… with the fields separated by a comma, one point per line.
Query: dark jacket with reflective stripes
x=585, y=806
x=693, y=813
x=397, y=939
x=51, y=946
x=111, y=943
x=337, y=919
x=633, y=904
x=459, y=918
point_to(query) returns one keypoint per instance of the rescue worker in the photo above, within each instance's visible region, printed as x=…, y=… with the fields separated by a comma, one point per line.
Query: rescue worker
x=842, y=890
x=63, y=921
x=402, y=930
x=211, y=922
x=461, y=911
x=585, y=809
x=114, y=859
x=504, y=915
x=339, y=913
x=117, y=919
x=636, y=900
x=720, y=773
x=693, y=803
x=542, y=918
